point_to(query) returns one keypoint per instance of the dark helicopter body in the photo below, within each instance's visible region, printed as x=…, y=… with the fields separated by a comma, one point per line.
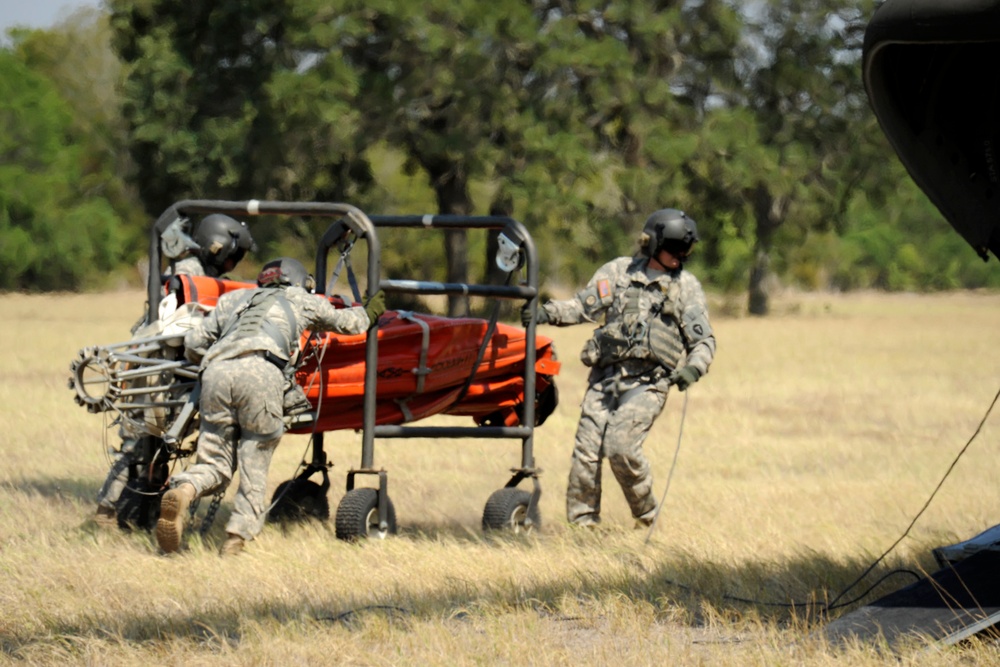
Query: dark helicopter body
x=932, y=73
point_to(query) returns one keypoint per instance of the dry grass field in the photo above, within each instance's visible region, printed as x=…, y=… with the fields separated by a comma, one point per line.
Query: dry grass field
x=817, y=437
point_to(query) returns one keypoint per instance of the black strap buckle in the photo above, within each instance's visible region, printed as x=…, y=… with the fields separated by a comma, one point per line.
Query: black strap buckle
x=277, y=361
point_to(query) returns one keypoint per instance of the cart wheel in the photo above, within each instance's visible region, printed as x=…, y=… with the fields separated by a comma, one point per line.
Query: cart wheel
x=507, y=509
x=297, y=500
x=357, y=515
x=138, y=507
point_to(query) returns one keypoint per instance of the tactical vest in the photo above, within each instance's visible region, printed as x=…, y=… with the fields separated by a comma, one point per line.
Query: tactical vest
x=652, y=334
x=252, y=319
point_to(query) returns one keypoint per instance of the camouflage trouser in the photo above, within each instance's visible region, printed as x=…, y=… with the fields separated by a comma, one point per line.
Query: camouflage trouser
x=240, y=427
x=117, y=479
x=614, y=427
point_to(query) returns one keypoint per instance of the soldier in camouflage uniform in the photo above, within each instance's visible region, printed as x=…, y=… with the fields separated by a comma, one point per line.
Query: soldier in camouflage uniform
x=218, y=245
x=656, y=334
x=247, y=348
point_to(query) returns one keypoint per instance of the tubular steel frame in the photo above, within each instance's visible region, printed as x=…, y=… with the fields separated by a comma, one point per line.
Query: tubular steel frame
x=364, y=227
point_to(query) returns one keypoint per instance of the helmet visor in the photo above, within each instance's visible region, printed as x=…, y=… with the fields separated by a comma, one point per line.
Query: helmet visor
x=678, y=248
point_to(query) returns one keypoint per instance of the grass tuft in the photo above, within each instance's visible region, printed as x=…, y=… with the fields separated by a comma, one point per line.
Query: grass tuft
x=814, y=441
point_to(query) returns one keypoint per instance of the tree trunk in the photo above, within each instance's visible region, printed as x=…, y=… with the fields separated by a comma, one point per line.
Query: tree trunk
x=769, y=212
x=451, y=188
x=457, y=260
x=758, y=301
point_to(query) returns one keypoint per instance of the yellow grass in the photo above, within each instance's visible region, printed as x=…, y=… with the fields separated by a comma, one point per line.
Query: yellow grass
x=816, y=438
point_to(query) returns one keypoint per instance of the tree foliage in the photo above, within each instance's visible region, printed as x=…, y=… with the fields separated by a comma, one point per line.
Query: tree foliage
x=217, y=109
x=59, y=227
x=578, y=117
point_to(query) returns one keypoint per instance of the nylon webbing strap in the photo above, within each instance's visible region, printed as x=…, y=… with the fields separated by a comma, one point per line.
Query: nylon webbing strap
x=345, y=261
x=353, y=282
x=487, y=337
x=421, y=371
x=404, y=407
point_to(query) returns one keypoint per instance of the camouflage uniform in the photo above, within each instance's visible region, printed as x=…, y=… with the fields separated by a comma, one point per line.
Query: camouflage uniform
x=242, y=390
x=654, y=322
x=189, y=266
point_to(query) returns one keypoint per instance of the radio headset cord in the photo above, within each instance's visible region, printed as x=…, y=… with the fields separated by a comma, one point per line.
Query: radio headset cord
x=836, y=602
x=670, y=475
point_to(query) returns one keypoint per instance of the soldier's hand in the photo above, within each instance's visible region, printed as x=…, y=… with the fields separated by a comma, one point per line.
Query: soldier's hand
x=541, y=317
x=375, y=306
x=685, y=377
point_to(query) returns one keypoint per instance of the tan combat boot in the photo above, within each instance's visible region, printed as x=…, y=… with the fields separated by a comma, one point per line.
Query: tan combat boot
x=647, y=519
x=106, y=518
x=170, y=525
x=233, y=545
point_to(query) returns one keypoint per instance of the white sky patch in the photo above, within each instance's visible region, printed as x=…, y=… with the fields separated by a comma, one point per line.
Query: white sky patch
x=39, y=13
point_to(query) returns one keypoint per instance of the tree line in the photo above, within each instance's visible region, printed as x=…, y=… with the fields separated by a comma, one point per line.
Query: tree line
x=577, y=117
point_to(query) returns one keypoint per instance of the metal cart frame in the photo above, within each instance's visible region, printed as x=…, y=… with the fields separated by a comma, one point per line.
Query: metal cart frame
x=520, y=512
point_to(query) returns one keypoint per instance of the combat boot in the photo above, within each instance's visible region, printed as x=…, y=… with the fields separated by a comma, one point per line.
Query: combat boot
x=646, y=520
x=233, y=546
x=106, y=517
x=170, y=525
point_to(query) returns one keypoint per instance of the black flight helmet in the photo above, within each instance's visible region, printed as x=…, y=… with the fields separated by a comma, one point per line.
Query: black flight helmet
x=222, y=243
x=668, y=229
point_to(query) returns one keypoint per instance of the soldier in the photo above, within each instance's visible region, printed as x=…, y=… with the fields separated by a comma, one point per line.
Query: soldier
x=220, y=242
x=218, y=245
x=656, y=333
x=247, y=348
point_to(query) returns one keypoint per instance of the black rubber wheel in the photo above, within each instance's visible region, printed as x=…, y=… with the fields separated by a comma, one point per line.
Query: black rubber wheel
x=297, y=500
x=357, y=516
x=546, y=404
x=138, y=507
x=507, y=509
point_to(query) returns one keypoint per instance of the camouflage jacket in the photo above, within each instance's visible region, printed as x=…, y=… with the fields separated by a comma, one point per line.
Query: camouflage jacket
x=189, y=266
x=653, y=321
x=218, y=336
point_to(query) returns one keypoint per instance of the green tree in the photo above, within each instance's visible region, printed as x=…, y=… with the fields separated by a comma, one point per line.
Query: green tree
x=629, y=82
x=216, y=106
x=467, y=91
x=55, y=232
x=76, y=57
x=578, y=117
x=800, y=76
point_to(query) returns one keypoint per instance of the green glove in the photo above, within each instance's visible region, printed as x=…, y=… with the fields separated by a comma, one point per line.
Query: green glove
x=541, y=317
x=685, y=377
x=375, y=306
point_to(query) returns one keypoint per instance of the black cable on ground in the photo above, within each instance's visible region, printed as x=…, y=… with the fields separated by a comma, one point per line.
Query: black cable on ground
x=834, y=603
x=937, y=488
x=346, y=616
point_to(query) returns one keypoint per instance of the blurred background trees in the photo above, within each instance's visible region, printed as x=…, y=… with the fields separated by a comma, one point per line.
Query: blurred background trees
x=578, y=118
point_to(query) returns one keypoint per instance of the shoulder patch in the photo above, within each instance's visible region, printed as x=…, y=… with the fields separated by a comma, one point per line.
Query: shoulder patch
x=603, y=288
